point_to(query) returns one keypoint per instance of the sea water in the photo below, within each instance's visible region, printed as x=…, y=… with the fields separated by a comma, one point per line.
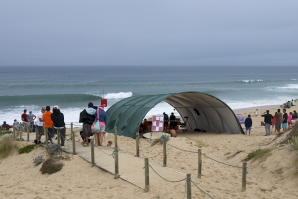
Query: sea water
x=72, y=87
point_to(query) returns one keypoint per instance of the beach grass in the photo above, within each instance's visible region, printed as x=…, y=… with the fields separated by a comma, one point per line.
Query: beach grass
x=258, y=154
x=7, y=146
x=3, y=132
x=236, y=153
x=26, y=149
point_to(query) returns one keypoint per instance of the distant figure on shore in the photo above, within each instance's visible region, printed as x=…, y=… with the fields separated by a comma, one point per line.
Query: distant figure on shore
x=267, y=120
x=39, y=126
x=87, y=117
x=285, y=120
x=248, y=124
x=16, y=124
x=293, y=103
x=31, y=118
x=278, y=116
x=256, y=112
x=273, y=121
x=58, y=123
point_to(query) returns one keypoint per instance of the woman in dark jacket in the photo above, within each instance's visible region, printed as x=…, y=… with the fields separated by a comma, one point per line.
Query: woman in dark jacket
x=87, y=118
x=58, y=123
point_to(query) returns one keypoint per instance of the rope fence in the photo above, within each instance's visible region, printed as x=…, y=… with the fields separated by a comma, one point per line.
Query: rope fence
x=115, y=155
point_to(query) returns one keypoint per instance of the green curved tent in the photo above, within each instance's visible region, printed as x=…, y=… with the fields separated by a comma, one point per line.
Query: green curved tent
x=202, y=110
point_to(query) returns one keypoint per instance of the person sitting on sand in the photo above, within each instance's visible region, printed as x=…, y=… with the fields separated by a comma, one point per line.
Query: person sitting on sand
x=248, y=124
x=5, y=126
x=294, y=115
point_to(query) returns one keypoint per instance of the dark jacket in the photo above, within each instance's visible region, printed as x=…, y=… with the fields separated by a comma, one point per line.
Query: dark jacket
x=57, y=118
x=87, y=117
x=267, y=118
x=248, y=122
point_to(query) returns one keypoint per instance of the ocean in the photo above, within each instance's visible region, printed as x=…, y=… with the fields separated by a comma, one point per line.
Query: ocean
x=72, y=87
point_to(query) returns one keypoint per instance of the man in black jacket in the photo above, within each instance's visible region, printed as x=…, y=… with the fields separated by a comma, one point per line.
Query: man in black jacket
x=87, y=117
x=58, y=123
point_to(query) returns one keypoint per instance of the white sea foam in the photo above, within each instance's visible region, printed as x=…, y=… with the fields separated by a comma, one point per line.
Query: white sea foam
x=289, y=86
x=250, y=81
x=120, y=95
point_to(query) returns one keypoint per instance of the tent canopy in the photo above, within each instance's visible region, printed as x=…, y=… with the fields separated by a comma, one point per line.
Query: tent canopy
x=202, y=110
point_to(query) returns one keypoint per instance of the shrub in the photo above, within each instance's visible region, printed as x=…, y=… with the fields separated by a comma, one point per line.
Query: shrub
x=27, y=149
x=259, y=153
x=7, y=146
x=51, y=166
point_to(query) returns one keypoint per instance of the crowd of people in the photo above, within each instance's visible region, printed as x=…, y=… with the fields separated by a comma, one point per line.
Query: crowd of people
x=274, y=123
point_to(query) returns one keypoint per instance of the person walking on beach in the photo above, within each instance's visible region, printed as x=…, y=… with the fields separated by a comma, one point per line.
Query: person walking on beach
x=58, y=122
x=248, y=124
x=165, y=119
x=285, y=120
x=39, y=126
x=48, y=123
x=267, y=120
x=278, y=116
x=87, y=117
x=101, y=116
x=172, y=121
x=31, y=118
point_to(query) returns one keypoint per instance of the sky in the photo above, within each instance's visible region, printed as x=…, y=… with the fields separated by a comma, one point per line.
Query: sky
x=149, y=33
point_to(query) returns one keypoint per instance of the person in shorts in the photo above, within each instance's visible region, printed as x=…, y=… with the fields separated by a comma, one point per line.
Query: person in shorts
x=39, y=126
x=248, y=124
x=285, y=121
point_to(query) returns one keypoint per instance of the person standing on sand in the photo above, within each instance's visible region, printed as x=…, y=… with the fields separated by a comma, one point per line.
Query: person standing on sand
x=102, y=117
x=25, y=120
x=278, y=116
x=31, y=118
x=48, y=123
x=267, y=120
x=39, y=126
x=285, y=120
x=273, y=121
x=290, y=123
x=248, y=124
x=58, y=121
x=87, y=117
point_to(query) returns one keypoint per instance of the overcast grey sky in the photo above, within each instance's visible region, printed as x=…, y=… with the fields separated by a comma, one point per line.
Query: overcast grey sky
x=152, y=32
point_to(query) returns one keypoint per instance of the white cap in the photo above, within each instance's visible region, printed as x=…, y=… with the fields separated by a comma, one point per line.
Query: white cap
x=56, y=107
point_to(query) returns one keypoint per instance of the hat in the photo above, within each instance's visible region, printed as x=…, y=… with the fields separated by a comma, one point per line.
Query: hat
x=30, y=111
x=56, y=107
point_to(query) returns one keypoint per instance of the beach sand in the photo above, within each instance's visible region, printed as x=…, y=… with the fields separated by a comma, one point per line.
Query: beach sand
x=268, y=177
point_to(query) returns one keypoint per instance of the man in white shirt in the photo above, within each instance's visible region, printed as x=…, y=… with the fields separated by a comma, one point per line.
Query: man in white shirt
x=31, y=118
x=39, y=126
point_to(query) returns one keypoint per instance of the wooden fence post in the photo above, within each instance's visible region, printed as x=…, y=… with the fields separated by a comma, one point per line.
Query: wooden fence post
x=200, y=163
x=137, y=144
x=116, y=154
x=146, y=175
x=164, y=153
x=27, y=133
x=92, y=153
x=21, y=132
x=188, y=185
x=14, y=132
x=73, y=139
x=244, y=167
